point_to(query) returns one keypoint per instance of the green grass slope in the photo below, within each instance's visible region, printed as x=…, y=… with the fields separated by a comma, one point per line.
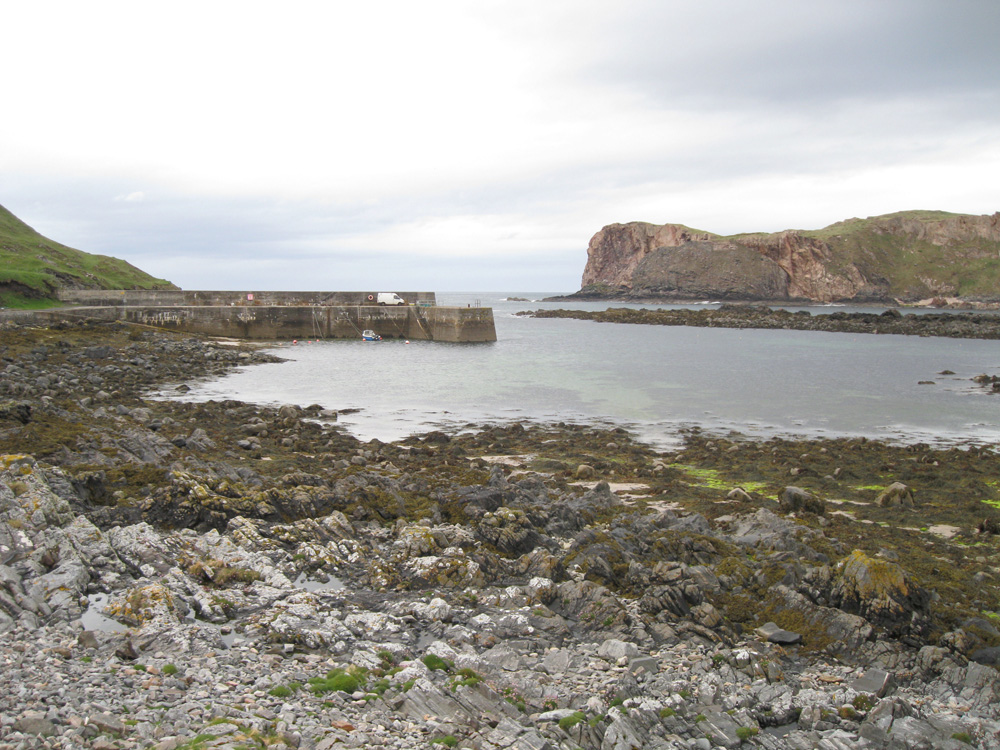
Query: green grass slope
x=915, y=254
x=949, y=258
x=33, y=267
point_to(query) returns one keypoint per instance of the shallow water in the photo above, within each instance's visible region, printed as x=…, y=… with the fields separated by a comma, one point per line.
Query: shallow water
x=306, y=583
x=653, y=380
x=95, y=619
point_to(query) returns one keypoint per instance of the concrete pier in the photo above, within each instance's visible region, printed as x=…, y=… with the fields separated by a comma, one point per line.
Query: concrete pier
x=277, y=315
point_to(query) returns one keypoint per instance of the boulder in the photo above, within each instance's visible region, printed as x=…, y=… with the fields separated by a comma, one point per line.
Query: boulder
x=895, y=495
x=795, y=499
x=614, y=649
x=739, y=494
x=771, y=633
x=883, y=593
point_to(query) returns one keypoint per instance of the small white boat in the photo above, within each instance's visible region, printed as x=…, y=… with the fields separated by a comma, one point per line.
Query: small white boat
x=370, y=335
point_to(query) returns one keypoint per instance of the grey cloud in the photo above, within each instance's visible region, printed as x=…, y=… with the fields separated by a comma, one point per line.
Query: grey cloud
x=791, y=52
x=225, y=242
x=815, y=88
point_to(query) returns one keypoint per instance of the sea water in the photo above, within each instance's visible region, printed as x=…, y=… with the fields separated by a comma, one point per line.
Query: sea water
x=653, y=380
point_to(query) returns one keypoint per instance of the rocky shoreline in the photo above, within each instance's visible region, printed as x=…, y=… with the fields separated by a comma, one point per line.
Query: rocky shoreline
x=964, y=325
x=222, y=575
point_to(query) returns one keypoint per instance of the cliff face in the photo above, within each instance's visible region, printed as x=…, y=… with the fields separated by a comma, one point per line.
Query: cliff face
x=908, y=256
x=617, y=250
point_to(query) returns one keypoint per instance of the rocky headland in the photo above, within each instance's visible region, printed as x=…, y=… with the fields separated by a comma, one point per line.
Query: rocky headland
x=965, y=325
x=910, y=256
x=223, y=575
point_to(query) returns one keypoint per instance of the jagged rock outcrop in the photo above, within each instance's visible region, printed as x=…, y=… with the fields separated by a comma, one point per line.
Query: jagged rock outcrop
x=910, y=256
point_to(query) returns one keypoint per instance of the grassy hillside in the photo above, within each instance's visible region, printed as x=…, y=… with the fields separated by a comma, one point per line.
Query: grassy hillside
x=33, y=267
x=890, y=248
x=872, y=223
x=886, y=246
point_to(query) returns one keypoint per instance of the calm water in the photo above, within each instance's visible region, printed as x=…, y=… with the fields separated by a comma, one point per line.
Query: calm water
x=651, y=379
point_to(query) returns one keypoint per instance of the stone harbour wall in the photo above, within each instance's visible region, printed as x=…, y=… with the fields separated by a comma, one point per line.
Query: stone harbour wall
x=247, y=297
x=275, y=322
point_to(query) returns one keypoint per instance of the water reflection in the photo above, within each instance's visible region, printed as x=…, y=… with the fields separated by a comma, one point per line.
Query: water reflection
x=95, y=619
x=304, y=582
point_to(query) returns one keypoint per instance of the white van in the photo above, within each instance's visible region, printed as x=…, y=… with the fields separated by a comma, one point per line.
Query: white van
x=390, y=298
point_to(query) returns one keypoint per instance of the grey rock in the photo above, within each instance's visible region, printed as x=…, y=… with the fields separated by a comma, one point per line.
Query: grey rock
x=990, y=656
x=647, y=664
x=875, y=682
x=765, y=529
x=771, y=633
x=721, y=728
x=37, y=725
x=614, y=649
x=199, y=440
x=107, y=723
x=557, y=662
x=510, y=734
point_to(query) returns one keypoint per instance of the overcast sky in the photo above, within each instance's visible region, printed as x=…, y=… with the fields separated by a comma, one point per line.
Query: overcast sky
x=477, y=144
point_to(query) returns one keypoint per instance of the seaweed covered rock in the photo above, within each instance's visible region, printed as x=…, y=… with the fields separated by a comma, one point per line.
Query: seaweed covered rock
x=821, y=627
x=796, y=499
x=895, y=495
x=883, y=593
x=18, y=411
x=510, y=531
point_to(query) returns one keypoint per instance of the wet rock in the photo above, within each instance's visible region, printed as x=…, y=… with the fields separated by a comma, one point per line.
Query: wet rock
x=990, y=656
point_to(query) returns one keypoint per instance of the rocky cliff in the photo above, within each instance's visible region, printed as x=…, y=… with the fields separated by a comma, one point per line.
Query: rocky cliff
x=907, y=256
